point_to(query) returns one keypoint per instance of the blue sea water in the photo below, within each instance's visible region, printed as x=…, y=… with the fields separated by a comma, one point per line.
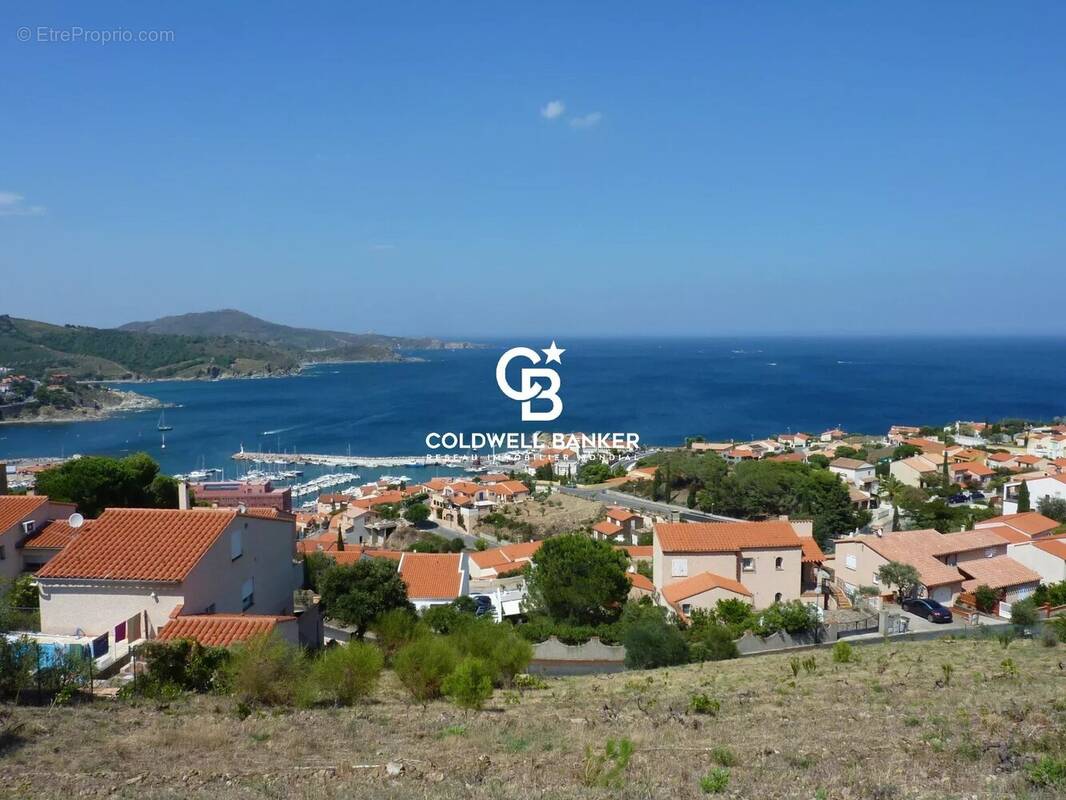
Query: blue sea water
x=662, y=389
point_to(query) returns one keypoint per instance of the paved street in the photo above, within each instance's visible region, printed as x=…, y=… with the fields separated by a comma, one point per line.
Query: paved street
x=674, y=512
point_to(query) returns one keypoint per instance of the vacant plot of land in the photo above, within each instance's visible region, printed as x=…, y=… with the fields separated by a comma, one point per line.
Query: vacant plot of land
x=947, y=719
x=559, y=513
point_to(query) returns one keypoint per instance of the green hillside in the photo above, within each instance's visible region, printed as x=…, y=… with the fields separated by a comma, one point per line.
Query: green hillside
x=37, y=348
x=230, y=322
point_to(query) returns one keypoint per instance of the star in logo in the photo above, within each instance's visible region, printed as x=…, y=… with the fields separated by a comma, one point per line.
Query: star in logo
x=553, y=353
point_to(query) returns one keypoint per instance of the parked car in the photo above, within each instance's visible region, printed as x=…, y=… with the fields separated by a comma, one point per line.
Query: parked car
x=957, y=499
x=927, y=609
x=976, y=495
x=482, y=605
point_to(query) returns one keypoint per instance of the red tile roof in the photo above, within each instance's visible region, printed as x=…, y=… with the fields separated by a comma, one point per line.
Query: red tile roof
x=914, y=548
x=1030, y=522
x=145, y=544
x=1000, y=572
x=639, y=551
x=1055, y=546
x=54, y=536
x=967, y=540
x=15, y=507
x=640, y=581
x=812, y=553
x=607, y=528
x=497, y=556
x=219, y=630
x=432, y=576
x=620, y=514
x=698, y=584
x=722, y=537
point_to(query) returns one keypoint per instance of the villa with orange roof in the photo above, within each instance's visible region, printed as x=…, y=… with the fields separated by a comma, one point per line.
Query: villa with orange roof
x=947, y=563
x=1040, y=487
x=141, y=568
x=766, y=558
x=1045, y=556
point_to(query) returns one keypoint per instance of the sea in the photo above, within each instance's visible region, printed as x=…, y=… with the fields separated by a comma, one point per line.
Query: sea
x=661, y=389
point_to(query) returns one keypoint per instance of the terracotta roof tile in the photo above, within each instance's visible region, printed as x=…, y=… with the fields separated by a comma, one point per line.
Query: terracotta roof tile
x=607, y=528
x=1000, y=572
x=432, y=576
x=620, y=514
x=812, y=553
x=1030, y=522
x=495, y=556
x=15, y=507
x=140, y=544
x=967, y=540
x=698, y=584
x=914, y=548
x=219, y=630
x=640, y=581
x=639, y=551
x=720, y=537
x=54, y=536
x=1055, y=546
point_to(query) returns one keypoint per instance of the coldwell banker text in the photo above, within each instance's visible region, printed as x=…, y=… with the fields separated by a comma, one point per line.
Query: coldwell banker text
x=531, y=441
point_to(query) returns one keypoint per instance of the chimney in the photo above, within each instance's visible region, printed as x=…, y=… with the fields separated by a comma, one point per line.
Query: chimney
x=183, y=495
x=3, y=478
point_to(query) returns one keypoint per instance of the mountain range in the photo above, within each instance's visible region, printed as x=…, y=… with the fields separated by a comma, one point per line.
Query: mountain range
x=206, y=345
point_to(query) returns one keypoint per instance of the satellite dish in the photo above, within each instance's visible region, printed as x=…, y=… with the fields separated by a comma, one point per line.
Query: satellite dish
x=75, y=520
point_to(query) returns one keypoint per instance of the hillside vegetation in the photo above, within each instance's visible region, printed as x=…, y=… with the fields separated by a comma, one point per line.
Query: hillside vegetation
x=944, y=719
x=209, y=345
x=230, y=322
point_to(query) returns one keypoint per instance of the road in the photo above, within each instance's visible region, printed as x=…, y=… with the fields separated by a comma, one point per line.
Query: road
x=452, y=533
x=673, y=512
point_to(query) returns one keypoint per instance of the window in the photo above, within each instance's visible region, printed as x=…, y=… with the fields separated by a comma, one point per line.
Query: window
x=248, y=594
x=235, y=549
x=747, y=564
x=850, y=562
x=777, y=597
x=686, y=608
x=3, y=552
x=28, y=526
x=679, y=568
x=779, y=563
x=210, y=609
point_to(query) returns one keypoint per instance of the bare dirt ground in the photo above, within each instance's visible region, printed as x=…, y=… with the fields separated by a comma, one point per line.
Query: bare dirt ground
x=559, y=513
x=896, y=724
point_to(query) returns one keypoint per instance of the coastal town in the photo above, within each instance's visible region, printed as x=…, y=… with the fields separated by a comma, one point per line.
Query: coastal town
x=1000, y=536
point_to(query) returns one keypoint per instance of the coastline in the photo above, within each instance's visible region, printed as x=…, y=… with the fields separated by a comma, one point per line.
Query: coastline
x=129, y=402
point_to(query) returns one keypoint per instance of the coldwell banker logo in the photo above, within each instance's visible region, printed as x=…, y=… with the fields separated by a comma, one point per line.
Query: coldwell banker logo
x=531, y=388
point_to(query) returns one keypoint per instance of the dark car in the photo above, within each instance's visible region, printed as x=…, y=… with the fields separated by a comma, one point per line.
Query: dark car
x=958, y=498
x=483, y=605
x=929, y=609
x=976, y=495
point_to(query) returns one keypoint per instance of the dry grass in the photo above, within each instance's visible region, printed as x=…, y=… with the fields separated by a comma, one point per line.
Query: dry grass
x=881, y=728
x=560, y=513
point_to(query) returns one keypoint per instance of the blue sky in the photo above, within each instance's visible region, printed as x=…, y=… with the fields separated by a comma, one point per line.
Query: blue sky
x=714, y=168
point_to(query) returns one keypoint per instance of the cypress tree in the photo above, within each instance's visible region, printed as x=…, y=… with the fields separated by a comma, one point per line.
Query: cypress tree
x=1023, y=498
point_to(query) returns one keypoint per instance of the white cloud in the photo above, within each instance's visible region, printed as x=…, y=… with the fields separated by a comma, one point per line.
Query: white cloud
x=553, y=109
x=590, y=120
x=12, y=205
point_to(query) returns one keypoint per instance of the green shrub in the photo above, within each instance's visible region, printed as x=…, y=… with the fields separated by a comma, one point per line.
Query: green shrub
x=18, y=660
x=985, y=598
x=470, y=684
x=182, y=665
x=716, y=781
x=395, y=628
x=842, y=653
x=267, y=670
x=1023, y=612
x=651, y=644
x=946, y=670
x=607, y=769
x=423, y=665
x=348, y=673
x=1058, y=625
x=1048, y=772
x=704, y=704
x=791, y=617
x=497, y=644
x=724, y=757
x=713, y=642
x=1048, y=637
